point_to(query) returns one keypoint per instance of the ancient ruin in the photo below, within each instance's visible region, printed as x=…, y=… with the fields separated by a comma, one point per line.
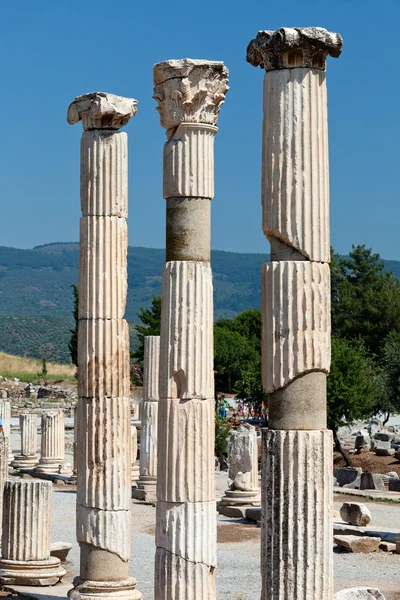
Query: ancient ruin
x=52, y=445
x=135, y=470
x=146, y=486
x=29, y=442
x=189, y=95
x=297, y=448
x=5, y=416
x=25, y=557
x=103, y=413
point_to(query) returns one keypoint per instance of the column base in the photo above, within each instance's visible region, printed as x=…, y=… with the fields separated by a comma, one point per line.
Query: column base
x=24, y=462
x=102, y=590
x=51, y=466
x=146, y=489
x=10, y=457
x=241, y=498
x=135, y=474
x=34, y=572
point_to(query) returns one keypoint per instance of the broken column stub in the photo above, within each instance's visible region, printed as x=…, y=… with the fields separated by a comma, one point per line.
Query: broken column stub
x=103, y=412
x=52, y=445
x=243, y=468
x=190, y=94
x=26, y=537
x=297, y=556
x=146, y=486
x=29, y=441
x=5, y=416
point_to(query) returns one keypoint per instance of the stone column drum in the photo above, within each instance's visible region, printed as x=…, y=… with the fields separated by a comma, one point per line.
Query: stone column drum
x=243, y=469
x=29, y=442
x=146, y=486
x=189, y=94
x=296, y=558
x=103, y=411
x=52, y=446
x=26, y=538
x=135, y=470
x=5, y=416
x=3, y=473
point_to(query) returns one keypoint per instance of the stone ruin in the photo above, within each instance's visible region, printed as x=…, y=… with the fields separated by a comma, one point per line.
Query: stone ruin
x=179, y=378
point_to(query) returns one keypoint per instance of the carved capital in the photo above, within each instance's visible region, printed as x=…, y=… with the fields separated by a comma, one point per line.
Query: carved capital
x=288, y=48
x=100, y=110
x=189, y=91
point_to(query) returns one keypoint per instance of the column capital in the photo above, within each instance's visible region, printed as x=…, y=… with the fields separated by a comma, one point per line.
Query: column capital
x=292, y=47
x=99, y=110
x=189, y=91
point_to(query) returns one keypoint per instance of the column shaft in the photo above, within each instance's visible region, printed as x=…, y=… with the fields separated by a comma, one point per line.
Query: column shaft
x=5, y=415
x=29, y=439
x=52, y=442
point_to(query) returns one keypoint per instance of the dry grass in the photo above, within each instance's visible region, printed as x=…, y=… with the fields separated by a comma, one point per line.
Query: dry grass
x=11, y=366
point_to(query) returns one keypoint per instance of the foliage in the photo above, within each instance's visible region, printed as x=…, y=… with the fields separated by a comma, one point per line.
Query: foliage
x=73, y=343
x=350, y=388
x=249, y=387
x=222, y=435
x=232, y=354
x=388, y=379
x=136, y=374
x=365, y=298
x=43, y=372
x=151, y=319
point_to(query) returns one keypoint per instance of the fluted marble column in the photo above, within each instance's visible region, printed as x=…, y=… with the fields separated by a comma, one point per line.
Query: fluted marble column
x=3, y=473
x=5, y=416
x=29, y=441
x=52, y=445
x=146, y=486
x=26, y=538
x=296, y=557
x=103, y=411
x=135, y=469
x=189, y=94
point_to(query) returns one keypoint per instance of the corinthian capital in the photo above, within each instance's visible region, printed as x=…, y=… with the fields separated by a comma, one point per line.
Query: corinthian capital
x=288, y=48
x=100, y=110
x=189, y=91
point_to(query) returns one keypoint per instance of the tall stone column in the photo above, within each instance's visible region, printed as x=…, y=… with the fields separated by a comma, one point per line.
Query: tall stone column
x=3, y=473
x=146, y=486
x=189, y=94
x=103, y=411
x=52, y=444
x=29, y=442
x=25, y=558
x=135, y=470
x=5, y=416
x=296, y=560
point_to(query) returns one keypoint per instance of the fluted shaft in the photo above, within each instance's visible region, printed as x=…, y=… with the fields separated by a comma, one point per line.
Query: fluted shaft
x=189, y=94
x=149, y=418
x=5, y=416
x=27, y=520
x=295, y=188
x=29, y=439
x=53, y=435
x=103, y=435
x=297, y=515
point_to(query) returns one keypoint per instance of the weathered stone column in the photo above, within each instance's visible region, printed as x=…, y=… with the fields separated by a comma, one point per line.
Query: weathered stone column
x=103, y=411
x=146, y=486
x=3, y=473
x=189, y=93
x=29, y=442
x=135, y=469
x=52, y=445
x=5, y=416
x=296, y=561
x=26, y=539
x=243, y=470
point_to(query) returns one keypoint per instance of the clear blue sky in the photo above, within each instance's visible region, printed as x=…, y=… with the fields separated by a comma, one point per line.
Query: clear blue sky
x=52, y=51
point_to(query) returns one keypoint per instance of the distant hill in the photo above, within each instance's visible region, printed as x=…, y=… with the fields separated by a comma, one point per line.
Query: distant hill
x=36, y=299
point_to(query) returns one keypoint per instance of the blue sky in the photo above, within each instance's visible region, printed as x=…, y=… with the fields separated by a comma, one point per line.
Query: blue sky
x=52, y=51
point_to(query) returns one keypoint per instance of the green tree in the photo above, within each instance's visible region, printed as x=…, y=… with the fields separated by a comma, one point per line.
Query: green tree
x=365, y=298
x=73, y=343
x=222, y=434
x=388, y=379
x=232, y=354
x=151, y=325
x=350, y=386
x=43, y=372
x=249, y=386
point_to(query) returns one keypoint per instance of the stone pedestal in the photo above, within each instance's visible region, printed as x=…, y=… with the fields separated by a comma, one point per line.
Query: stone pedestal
x=296, y=556
x=103, y=413
x=146, y=485
x=189, y=94
x=26, y=538
x=5, y=416
x=243, y=469
x=28, y=458
x=52, y=446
